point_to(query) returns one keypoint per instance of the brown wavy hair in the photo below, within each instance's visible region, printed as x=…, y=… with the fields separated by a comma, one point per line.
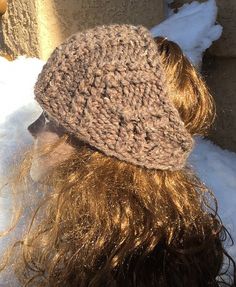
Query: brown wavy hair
x=98, y=221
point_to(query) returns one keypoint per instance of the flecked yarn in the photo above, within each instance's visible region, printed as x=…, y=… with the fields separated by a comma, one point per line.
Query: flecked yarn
x=107, y=87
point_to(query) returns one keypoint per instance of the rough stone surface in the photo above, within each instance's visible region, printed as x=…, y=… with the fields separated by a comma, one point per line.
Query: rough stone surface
x=19, y=29
x=36, y=27
x=226, y=45
x=64, y=18
x=220, y=76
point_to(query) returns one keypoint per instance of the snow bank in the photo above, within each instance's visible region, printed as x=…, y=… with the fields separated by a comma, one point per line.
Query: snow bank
x=17, y=105
x=193, y=28
x=217, y=169
x=16, y=83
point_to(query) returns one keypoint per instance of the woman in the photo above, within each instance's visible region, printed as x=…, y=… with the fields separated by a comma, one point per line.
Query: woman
x=116, y=203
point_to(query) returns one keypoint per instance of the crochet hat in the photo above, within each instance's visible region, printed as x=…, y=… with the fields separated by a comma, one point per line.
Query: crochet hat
x=107, y=87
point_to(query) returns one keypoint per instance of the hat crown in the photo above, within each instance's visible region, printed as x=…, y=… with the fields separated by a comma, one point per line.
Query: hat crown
x=107, y=86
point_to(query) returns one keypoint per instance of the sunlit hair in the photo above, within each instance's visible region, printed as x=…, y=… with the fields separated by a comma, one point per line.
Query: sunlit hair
x=98, y=221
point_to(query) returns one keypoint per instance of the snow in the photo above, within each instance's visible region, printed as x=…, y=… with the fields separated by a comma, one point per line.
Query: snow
x=19, y=92
x=17, y=107
x=193, y=28
x=216, y=167
x=17, y=110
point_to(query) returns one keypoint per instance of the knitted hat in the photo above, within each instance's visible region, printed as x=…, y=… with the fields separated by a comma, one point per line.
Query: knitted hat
x=106, y=86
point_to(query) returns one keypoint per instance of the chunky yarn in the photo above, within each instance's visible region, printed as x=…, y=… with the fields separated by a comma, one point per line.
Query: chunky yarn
x=107, y=87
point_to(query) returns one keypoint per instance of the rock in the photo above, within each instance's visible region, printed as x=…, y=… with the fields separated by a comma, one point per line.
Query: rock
x=36, y=27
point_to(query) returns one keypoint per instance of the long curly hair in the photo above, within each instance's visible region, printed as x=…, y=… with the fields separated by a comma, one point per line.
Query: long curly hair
x=98, y=221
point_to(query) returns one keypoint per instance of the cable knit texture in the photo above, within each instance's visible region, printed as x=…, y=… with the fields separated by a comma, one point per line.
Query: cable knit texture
x=106, y=86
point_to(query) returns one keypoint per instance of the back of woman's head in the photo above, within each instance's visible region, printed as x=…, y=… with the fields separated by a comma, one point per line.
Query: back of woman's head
x=108, y=222
x=188, y=90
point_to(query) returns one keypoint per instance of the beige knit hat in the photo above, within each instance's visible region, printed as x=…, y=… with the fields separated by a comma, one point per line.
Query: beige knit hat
x=106, y=86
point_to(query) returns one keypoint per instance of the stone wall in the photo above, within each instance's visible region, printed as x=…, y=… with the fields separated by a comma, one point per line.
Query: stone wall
x=36, y=27
x=220, y=76
x=226, y=46
x=19, y=29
